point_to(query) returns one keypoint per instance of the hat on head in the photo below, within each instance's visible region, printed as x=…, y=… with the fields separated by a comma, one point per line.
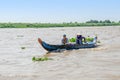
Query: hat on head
x=78, y=33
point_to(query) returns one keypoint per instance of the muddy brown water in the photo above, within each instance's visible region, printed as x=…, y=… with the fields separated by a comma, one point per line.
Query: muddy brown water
x=101, y=63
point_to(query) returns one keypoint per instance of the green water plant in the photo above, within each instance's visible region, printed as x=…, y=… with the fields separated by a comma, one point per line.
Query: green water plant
x=23, y=47
x=20, y=36
x=98, y=42
x=41, y=59
x=88, y=39
x=72, y=40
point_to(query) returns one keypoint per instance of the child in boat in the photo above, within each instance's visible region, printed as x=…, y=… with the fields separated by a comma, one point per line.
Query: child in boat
x=79, y=39
x=64, y=40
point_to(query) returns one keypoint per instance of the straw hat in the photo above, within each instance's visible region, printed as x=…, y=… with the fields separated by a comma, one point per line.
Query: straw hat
x=78, y=33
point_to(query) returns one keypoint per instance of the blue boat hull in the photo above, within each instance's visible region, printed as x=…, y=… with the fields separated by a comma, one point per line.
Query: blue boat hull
x=50, y=47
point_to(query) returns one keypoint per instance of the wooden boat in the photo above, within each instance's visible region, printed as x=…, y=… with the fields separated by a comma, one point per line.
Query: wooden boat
x=50, y=47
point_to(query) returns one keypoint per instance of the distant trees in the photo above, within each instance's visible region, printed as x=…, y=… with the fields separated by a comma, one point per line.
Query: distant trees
x=92, y=21
x=64, y=24
x=96, y=21
x=6, y=25
x=107, y=21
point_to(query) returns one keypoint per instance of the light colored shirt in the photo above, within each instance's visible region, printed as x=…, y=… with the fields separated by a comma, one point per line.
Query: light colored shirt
x=64, y=41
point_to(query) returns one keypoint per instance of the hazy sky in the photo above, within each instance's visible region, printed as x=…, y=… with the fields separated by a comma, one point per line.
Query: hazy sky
x=58, y=10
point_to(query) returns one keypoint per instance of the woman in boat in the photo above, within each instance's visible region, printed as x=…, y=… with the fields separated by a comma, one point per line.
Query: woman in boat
x=64, y=40
x=79, y=39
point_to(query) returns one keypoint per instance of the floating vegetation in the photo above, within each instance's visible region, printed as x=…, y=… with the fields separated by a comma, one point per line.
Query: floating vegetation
x=23, y=47
x=98, y=42
x=41, y=59
x=20, y=36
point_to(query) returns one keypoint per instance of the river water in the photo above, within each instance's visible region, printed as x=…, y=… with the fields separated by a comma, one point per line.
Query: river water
x=101, y=63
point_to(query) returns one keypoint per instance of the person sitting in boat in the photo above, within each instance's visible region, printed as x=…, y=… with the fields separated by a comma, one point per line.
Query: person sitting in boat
x=64, y=40
x=79, y=39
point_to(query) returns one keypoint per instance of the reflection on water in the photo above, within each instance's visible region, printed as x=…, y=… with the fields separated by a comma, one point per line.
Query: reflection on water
x=102, y=62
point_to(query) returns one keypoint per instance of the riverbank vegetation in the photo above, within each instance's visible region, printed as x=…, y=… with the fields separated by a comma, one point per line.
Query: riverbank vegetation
x=64, y=24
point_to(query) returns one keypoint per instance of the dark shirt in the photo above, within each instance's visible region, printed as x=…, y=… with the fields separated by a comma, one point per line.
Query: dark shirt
x=79, y=39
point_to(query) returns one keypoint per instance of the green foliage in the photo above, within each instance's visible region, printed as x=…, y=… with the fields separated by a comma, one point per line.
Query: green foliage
x=23, y=47
x=96, y=21
x=72, y=40
x=98, y=42
x=41, y=59
x=20, y=36
x=88, y=39
x=64, y=24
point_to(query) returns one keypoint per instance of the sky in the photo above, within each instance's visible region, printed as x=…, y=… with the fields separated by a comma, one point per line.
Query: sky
x=57, y=11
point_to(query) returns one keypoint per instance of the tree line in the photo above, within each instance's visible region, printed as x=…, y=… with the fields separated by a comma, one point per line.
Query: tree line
x=64, y=24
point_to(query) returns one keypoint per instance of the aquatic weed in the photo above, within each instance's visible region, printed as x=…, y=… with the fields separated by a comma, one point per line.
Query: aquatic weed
x=41, y=59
